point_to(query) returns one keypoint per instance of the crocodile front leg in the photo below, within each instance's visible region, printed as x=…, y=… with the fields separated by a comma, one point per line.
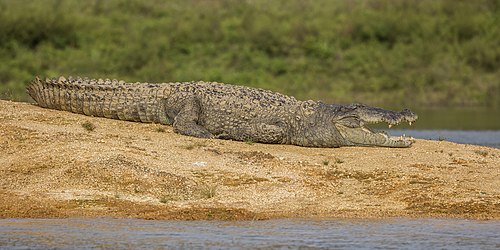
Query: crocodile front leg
x=255, y=132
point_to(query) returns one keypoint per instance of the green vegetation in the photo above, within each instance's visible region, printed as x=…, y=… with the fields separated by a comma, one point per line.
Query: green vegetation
x=417, y=53
x=249, y=142
x=160, y=129
x=88, y=126
x=208, y=191
x=168, y=198
x=481, y=153
x=196, y=144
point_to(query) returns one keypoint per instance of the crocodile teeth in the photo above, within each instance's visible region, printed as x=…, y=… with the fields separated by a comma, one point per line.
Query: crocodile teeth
x=390, y=125
x=409, y=123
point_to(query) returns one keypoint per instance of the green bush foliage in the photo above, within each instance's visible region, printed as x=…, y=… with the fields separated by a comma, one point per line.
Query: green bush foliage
x=384, y=52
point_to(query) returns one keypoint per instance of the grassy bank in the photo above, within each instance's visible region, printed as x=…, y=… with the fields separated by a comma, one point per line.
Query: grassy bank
x=414, y=53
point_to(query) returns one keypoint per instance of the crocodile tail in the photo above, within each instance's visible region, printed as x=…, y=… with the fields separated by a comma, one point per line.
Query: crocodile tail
x=44, y=93
x=102, y=98
x=53, y=93
x=35, y=91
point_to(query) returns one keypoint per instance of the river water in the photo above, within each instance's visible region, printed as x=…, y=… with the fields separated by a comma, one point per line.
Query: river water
x=489, y=138
x=272, y=234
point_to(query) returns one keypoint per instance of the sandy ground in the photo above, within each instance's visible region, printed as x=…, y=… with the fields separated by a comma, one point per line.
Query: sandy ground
x=53, y=164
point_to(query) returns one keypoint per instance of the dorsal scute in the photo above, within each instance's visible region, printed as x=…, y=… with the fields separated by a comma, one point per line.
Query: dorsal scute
x=61, y=79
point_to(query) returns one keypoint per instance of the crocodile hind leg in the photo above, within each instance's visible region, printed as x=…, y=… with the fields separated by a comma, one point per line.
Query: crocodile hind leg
x=186, y=121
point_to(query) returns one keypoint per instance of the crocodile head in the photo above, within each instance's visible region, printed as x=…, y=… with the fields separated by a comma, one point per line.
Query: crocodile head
x=350, y=121
x=332, y=125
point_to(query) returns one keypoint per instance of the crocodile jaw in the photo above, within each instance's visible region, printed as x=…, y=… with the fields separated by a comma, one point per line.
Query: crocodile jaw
x=363, y=136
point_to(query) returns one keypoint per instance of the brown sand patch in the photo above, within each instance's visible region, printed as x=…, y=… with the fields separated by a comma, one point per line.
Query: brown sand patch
x=53, y=165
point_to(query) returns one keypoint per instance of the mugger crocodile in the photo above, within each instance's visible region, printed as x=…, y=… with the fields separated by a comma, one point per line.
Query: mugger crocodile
x=217, y=110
